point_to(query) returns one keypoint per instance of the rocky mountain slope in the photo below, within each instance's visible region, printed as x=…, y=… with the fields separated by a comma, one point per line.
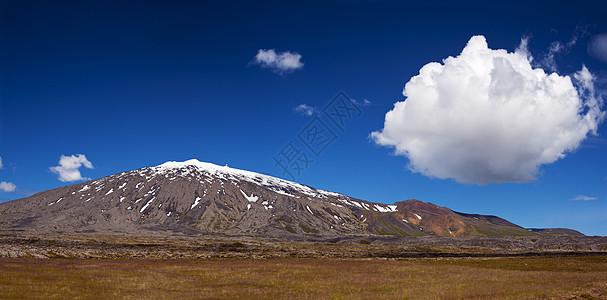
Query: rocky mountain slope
x=194, y=197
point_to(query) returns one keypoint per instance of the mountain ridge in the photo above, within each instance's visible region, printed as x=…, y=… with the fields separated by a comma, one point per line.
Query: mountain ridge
x=200, y=198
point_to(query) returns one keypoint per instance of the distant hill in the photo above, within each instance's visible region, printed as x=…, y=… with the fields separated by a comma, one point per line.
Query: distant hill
x=200, y=198
x=556, y=231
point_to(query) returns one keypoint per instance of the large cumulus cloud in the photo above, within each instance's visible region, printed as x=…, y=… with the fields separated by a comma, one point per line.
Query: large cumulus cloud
x=486, y=116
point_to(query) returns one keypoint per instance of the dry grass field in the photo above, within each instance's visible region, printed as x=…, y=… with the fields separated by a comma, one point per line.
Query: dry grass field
x=571, y=277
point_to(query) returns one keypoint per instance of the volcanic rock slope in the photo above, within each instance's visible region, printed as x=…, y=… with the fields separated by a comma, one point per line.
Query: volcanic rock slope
x=194, y=197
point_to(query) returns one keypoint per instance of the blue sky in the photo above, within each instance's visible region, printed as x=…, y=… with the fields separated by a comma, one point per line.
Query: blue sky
x=131, y=84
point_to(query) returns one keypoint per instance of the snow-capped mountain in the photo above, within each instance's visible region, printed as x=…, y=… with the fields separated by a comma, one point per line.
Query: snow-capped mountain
x=195, y=197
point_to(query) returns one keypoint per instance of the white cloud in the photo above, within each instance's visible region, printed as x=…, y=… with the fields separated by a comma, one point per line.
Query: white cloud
x=548, y=60
x=584, y=198
x=1, y=165
x=597, y=47
x=486, y=116
x=364, y=102
x=69, y=165
x=281, y=63
x=7, y=186
x=579, y=32
x=305, y=109
x=523, y=48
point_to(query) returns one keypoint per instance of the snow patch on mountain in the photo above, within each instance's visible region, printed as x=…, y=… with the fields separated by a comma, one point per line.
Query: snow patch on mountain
x=57, y=201
x=250, y=198
x=196, y=201
x=389, y=208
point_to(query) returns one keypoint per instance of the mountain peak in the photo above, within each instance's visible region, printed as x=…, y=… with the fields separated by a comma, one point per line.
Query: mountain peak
x=225, y=172
x=191, y=162
x=213, y=169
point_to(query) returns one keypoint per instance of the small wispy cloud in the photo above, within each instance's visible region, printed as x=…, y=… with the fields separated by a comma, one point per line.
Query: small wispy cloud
x=305, y=110
x=68, y=168
x=1, y=165
x=7, y=186
x=548, y=61
x=580, y=31
x=584, y=198
x=557, y=48
x=523, y=48
x=281, y=63
x=364, y=102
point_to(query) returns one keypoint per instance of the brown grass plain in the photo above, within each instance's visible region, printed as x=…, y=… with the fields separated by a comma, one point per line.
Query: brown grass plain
x=553, y=277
